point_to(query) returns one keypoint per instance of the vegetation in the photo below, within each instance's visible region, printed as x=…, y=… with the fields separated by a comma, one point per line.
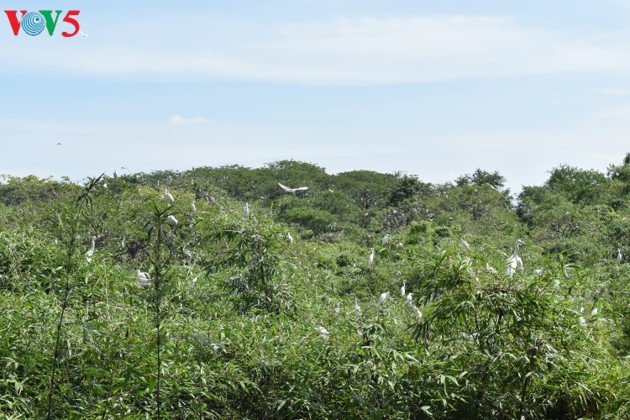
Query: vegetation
x=241, y=275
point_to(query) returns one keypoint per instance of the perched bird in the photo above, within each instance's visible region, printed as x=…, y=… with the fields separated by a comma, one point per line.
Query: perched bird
x=382, y=298
x=371, y=260
x=594, y=311
x=463, y=243
x=619, y=256
x=169, y=196
x=193, y=282
x=538, y=271
x=515, y=261
x=246, y=210
x=143, y=279
x=386, y=239
x=416, y=312
x=289, y=238
x=337, y=310
x=171, y=220
x=293, y=190
x=323, y=332
x=402, y=289
x=490, y=269
x=193, y=207
x=357, y=308
x=409, y=299
x=90, y=252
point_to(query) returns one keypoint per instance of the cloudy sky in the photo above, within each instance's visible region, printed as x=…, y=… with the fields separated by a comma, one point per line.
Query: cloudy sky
x=430, y=88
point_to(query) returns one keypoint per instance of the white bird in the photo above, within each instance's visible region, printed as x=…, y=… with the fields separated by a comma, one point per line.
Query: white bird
x=357, y=308
x=386, y=239
x=402, y=289
x=246, y=210
x=538, y=271
x=193, y=207
x=289, y=238
x=416, y=312
x=169, y=196
x=515, y=261
x=582, y=322
x=193, y=282
x=490, y=269
x=83, y=34
x=371, y=260
x=594, y=311
x=463, y=243
x=337, y=310
x=619, y=256
x=292, y=190
x=409, y=299
x=172, y=220
x=382, y=298
x=143, y=279
x=323, y=332
x=90, y=252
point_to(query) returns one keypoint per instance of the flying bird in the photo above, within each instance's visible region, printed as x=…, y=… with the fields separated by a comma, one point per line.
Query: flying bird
x=293, y=190
x=83, y=34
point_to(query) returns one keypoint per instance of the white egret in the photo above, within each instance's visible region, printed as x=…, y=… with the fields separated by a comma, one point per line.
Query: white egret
x=90, y=252
x=193, y=207
x=416, y=312
x=323, y=332
x=619, y=256
x=289, y=238
x=293, y=190
x=171, y=220
x=463, y=243
x=538, y=272
x=515, y=261
x=594, y=311
x=409, y=299
x=337, y=310
x=490, y=269
x=357, y=308
x=386, y=239
x=402, y=289
x=193, y=282
x=382, y=298
x=83, y=34
x=144, y=280
x=582, y=322
x=371, y=260
x=169, y=196
x=246, y=210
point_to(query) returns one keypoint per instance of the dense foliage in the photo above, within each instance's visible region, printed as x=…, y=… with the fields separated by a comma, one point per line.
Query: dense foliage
x=256, y=302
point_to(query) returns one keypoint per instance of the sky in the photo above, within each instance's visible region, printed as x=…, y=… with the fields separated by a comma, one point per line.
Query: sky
x=434, y=89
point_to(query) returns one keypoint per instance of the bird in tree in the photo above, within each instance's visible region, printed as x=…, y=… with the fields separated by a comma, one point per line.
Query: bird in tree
x=90, y=252
x=382, y=298
x=171, y=220
x=169, y=196
x=144, y=280
x=290, y=238
x=515, y=261
x=246, y=210
x=293, y=190
x=386, y=239
x=357, y=308
x=402, y=289
x=463, y=243
x=371, y=260
x=323, y=332
x=409, y=299
x=193, y=207
x=619, y=256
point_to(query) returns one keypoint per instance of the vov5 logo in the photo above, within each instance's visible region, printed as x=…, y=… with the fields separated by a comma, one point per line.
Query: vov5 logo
x=34, y=23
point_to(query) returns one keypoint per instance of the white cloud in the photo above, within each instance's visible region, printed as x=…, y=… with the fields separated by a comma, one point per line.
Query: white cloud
x=179, y=120
x=341, y=51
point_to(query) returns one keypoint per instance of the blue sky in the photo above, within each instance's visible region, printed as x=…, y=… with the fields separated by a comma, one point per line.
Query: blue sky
x=434, y=89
